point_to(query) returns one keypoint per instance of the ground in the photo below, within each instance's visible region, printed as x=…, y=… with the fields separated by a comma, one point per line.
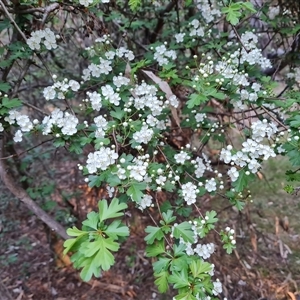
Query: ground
x=265, y=264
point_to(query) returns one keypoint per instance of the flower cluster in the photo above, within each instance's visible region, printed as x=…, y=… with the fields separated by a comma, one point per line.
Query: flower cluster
x=145, y=97
x=87, y=3
x=100, y=159
x=163, y=56
x=23, y=121
x=144, y=135
x=101, y=124
x=146, y=201
x=250, y=53
x=189, y=193
x=59, y=119
x=47, y=37
x=60, y=88
x=197, y=30
x=203, y=250
x=208, y=10
x=104, y=66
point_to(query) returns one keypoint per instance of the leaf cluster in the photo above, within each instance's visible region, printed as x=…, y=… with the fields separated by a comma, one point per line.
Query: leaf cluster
x=94, y=244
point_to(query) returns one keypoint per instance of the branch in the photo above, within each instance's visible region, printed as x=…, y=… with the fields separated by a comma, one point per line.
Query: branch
x=160, y=21
x=21, y=194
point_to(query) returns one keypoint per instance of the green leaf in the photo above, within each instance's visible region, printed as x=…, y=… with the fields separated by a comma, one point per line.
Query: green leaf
x=113, y=180
x=196, y=99
x=229, y=247
x=294, y=121
x=95, y=180
x=232, y=13
x=116, y=229
x=133, y=4
x=117, y=113
x=85, y=140
x=92, y=220
x=155, y=233
x=242, y=182
x=161, y=281
x=249, y=6
x=4, y=87
x=211, y=217
x=184, y=230
x=135, y=191
x=71, y=244
x=162, y=263
x=156, y=248
x=112, y=211
x=4, y=24
x=11, y=103
x=59, y=143
x=185, y=296
x=179, y=250
x=89, y=269
x=180, y=263
x=199, y=266
x=76, y=147
x=179, y=279
x=168, y=217
x=292, y=175
x=75, y=231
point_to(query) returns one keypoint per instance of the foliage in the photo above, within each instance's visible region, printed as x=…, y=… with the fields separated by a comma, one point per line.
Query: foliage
x=170, y=100
x=97, y=239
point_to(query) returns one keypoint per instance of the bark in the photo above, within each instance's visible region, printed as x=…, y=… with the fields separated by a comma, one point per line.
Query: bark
x=21, y=194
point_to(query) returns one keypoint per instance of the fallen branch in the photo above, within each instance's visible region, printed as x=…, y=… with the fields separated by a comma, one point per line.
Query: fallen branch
x=21, y=194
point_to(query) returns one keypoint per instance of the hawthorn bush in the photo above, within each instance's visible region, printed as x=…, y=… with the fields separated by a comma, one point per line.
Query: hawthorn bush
x=151, y=97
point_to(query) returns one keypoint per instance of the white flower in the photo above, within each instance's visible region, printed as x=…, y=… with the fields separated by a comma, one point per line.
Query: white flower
x=121, y=173
x=144, y=135
x=181, y=157
x=152, y=121
x=145, y=202
x=200, y=167
x=211, y=185
x=217, y=288
x=101, y=122
x=120, y=80
x=101, y=159
x=69, y=124
x=12, y=115
x=105, y=66
x=74, y=85
x=273, y=12
x=18, y=136
x=179, y=37
x=138, y=171
x=95, y=99
x=24, y=122
x=189, y=193
x=49, y=93
x=249, y=146
x=110, y=191
x=253, y=166
x=173, y=101
x=205, y=251
x=161, y=180
x=1, y=127
x=233, y=174
x=200, y=117
x=85, y=3
x=280, y=149
x=226, y=156
x=240, y=159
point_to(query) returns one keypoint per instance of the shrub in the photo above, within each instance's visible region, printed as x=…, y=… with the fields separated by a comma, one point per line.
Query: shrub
x=174, y=98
